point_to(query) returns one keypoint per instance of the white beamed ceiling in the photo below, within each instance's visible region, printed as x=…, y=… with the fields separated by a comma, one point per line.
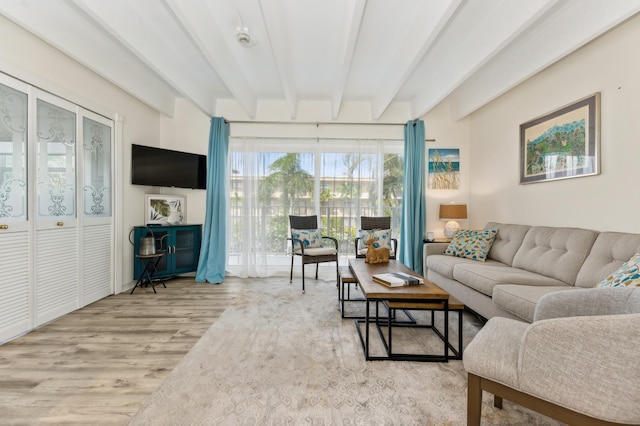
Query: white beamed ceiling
x=411, y=54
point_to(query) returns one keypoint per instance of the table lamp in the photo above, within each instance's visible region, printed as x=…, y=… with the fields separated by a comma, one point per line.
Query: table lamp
x=451, y=213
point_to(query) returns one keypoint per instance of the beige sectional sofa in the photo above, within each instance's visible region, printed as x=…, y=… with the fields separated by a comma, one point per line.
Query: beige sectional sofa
x=526, y=263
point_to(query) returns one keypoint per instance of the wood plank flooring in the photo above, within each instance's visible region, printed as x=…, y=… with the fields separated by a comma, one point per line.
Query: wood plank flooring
x=98, y=364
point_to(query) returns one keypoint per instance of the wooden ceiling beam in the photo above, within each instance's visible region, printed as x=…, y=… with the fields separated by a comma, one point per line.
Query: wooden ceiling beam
x=466, y=45
x=345, y=55
x=273, y=16
x=196, y=18
x=95, y=50
x=168, y=53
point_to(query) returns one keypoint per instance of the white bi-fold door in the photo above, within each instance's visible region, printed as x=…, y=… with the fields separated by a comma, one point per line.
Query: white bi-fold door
x=56, y=224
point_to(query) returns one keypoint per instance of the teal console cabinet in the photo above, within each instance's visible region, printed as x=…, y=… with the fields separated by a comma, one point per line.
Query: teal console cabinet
x=179, y=243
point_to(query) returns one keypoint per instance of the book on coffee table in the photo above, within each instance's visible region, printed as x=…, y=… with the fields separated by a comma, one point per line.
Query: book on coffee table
x=397, y=279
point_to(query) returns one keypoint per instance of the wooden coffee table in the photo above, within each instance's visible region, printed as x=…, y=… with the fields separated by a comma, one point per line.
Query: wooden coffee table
x=427, y=294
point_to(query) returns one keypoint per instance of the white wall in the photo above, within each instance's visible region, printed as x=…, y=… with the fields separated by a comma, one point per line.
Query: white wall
x=447, y=134
x=609, y=201
x=187, y=131
x=26, y=57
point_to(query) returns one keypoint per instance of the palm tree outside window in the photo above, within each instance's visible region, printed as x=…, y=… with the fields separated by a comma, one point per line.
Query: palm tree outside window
x=339, y=180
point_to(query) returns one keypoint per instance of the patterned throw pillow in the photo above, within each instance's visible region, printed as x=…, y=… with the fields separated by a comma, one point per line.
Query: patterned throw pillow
x=627, y=275
x=311, y=238
x=381, y=238
x=472, y=244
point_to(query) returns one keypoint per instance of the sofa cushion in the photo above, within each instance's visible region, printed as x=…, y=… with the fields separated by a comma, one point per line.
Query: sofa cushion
x=555, y=252
x=443, y=264
x=628, y=275
x=483, y=277
x=507, y=242
x=521, y=300
x=609, y=252
x=471, y=244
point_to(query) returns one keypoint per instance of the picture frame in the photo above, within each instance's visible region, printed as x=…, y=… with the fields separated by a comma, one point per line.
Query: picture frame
x=444, y=168
x=562, y=144
x=165, y=209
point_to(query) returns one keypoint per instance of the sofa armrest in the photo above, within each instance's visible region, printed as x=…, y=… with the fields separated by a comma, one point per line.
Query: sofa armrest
x=588, y=301
x=434, y=248
x=577, y=361
x=428, y=250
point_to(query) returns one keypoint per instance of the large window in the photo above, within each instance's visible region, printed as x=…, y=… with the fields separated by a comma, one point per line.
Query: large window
x=339, y=180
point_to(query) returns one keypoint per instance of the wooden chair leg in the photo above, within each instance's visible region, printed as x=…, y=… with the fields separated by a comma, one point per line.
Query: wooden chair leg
x=474, y=400
x=302, y=276
x=317, y=264
x=497, y=401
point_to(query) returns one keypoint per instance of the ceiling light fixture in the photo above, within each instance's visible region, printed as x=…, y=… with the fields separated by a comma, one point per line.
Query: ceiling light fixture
x=243, y=35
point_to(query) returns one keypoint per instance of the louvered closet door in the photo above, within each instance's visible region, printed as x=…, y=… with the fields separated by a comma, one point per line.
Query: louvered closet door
x=14, y=233
x=96, y=200
x=56, y=237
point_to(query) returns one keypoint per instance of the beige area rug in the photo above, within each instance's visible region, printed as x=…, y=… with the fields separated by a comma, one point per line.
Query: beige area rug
x=279, y=357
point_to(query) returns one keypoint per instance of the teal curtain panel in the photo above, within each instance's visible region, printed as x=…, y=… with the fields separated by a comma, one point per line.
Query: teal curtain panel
x=211, y=266
x=414, y=208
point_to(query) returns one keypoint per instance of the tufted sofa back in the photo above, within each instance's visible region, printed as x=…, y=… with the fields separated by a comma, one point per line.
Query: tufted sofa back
x=507, y=242
x=609, y=252
x=555, y=252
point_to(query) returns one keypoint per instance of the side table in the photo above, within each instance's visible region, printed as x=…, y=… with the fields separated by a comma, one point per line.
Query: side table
x=149, y=263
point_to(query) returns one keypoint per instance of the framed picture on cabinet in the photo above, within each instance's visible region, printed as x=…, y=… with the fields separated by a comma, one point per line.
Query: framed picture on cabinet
x=562, y=144
x=165, y=209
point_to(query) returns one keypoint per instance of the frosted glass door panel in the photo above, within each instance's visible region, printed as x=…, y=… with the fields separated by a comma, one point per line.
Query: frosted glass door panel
x=97, y=168
x=56, y=162
x=57, y=254
x=13, y=155
x=96, y=207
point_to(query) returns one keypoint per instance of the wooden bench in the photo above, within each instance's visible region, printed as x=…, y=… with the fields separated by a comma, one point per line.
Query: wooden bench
x=346, y=280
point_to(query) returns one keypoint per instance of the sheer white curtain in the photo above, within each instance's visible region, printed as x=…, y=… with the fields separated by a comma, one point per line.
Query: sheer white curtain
x=337, y=179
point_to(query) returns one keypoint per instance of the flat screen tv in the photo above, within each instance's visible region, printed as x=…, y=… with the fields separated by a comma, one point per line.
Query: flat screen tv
x=164, y=167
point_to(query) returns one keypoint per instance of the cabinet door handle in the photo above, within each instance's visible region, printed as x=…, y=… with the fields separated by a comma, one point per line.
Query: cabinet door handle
x=59, y=223
x=3, y=227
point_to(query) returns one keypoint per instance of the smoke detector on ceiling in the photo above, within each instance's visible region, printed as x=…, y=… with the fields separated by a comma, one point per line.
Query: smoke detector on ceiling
x=244, y=37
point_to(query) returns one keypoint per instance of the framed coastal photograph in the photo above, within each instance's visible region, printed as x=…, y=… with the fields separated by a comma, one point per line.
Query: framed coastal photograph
x=165, y=209
x=444, y=168
x=562, y=144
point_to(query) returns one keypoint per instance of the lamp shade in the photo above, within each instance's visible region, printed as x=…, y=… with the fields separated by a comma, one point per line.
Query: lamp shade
x=453, y=211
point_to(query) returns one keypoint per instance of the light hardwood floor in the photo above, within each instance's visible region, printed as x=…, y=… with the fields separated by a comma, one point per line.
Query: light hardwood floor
x=98, y=364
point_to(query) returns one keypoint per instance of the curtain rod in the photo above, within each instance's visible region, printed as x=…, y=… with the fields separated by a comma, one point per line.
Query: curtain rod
x=318, y=123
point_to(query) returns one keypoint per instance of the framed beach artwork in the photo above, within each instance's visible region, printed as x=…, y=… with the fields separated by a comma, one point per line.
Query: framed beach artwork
x=164, y=209
x=562, y=144
x=444, y=168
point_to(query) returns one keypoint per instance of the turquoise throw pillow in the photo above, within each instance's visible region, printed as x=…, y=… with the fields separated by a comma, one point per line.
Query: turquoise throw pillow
x=627, y=275
x=311, y=238
x=472, y=244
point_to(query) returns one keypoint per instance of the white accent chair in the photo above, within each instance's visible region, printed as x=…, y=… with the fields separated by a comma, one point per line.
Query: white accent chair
x=576, y=362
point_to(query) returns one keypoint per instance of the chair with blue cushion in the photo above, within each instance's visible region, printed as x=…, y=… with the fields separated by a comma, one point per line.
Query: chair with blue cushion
x=307, y=243
x=379, y=228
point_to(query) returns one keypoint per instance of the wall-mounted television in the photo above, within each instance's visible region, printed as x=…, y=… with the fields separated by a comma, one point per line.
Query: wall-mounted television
x=164, y=167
